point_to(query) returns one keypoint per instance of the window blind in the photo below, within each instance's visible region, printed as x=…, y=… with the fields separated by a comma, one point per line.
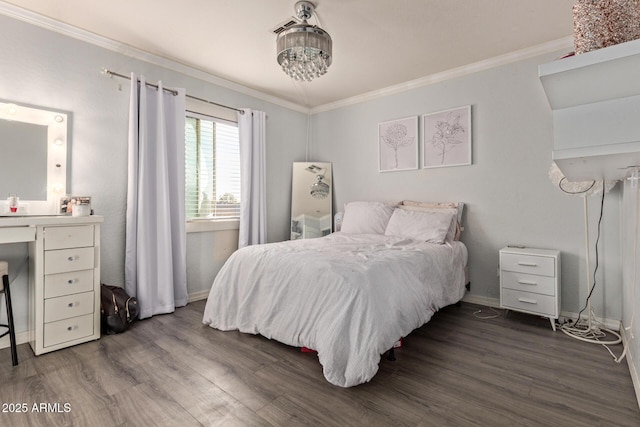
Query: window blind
x=212, y=161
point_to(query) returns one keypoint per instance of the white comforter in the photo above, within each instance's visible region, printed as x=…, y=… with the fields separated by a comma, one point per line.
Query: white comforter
x=350, y=297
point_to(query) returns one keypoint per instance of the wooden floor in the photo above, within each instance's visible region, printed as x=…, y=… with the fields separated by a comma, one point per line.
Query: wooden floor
x=457, y=370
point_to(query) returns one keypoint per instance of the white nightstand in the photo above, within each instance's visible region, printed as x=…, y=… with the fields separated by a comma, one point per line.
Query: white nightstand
x=530, y=281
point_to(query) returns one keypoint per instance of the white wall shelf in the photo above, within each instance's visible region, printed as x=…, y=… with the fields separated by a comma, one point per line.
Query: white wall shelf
x=595, y=98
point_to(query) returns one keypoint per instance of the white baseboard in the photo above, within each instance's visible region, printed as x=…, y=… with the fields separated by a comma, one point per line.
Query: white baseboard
x=197, y=296
x=614, y=325
x=21, y=338
x=630, y=362
x=495, y=302
x=480, y=300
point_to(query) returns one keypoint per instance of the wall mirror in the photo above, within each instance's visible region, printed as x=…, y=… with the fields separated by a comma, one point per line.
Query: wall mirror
x=311, y=200
x=33, y=165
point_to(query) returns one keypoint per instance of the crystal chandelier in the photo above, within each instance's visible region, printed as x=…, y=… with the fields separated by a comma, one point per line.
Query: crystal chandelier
x=304, y=51
x=319, y=189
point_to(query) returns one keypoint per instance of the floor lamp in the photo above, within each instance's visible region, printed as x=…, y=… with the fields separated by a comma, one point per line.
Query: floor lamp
x=589, y=329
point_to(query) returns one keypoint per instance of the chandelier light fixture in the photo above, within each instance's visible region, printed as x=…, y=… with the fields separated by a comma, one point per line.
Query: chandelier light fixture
x=304, y=50
x=319, y=189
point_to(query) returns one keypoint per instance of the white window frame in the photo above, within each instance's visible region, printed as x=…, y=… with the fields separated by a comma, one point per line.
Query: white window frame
x=199, y=225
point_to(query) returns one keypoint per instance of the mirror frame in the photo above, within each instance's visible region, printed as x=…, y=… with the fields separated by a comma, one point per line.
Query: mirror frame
x=57, y=131
x=303, y=176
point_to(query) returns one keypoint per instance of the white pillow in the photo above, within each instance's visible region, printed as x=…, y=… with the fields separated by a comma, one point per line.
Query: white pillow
x=420, y=225
x=453, y=233
x=366, y=217
x=459, y=206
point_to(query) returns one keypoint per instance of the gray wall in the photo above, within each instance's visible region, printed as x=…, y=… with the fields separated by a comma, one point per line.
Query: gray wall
x=43, y=68
x=509, y=197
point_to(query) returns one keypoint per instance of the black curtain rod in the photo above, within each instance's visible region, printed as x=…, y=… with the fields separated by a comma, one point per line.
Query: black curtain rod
x=113, y=73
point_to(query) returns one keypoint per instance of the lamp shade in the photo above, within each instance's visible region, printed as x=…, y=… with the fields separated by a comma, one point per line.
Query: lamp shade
x=582, y=188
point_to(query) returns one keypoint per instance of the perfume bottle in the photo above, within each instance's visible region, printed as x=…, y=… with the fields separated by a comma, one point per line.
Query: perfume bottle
x=13, y=202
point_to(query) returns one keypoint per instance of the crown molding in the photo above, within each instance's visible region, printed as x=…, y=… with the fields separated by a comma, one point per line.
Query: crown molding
x=519, y=55
x=47, y=23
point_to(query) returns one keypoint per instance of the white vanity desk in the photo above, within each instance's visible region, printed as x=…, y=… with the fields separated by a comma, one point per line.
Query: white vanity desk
x=64, y=277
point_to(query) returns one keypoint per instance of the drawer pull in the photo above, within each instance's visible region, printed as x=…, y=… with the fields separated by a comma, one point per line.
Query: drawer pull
x=72, y=281
x=71, y=304
x=526, y=282
x=527, y=264
x=72, y=258
x=528, y=301
x=69, y=328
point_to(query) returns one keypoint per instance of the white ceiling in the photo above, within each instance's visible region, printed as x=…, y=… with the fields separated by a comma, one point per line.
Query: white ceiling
x=377, y=43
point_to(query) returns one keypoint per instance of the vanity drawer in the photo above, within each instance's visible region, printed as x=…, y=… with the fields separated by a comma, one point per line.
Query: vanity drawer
x=73, y=282
x=544, y=305
x=68, y=260
x=532, y=264
x=544, y=285
x=68, y=237
x=68, y=306
x=17, y=234
x=68, y=330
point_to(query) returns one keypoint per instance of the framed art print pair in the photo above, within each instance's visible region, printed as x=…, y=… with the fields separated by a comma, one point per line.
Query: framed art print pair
x=446, y=141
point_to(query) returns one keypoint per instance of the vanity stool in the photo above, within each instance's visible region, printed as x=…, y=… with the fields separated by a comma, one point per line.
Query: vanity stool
x=4, y=273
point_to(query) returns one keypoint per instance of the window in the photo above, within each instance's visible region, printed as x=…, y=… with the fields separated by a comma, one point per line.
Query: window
x=212, y=168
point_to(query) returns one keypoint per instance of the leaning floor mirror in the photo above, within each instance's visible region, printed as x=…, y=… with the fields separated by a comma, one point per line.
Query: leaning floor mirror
x=311, y=200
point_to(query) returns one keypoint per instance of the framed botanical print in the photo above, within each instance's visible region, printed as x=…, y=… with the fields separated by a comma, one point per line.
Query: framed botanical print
x=398, y=145
x=446, y=138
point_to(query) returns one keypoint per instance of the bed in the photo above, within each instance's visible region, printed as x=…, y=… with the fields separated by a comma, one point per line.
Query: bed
x=349, y=295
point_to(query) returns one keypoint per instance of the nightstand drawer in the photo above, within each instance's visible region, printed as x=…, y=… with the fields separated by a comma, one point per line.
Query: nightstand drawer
x=74, y=282
x=543, y=285
x=68, y=260
x=531, y=264
x=68, y=237
x=544, y=305
x=68, y=330
x=68, y=306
